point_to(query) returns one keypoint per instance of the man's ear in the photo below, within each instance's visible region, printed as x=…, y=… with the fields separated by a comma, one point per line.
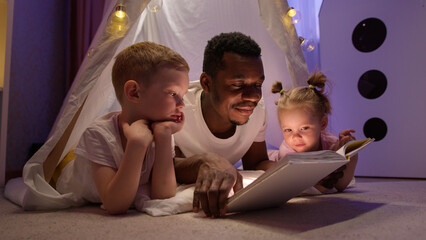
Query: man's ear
x=324, y=122
x=131, y=90
x=205, y=81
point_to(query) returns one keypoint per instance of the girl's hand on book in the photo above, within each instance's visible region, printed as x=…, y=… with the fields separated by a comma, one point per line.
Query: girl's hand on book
x=345, y=136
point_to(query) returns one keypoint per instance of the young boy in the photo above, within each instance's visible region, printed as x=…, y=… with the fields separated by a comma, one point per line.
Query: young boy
x=117, y=162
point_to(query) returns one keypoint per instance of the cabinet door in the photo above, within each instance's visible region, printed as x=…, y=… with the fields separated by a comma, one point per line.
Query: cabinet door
x=374, y=53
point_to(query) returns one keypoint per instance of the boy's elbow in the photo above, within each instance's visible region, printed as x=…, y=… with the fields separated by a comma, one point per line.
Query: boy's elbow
x=340, y=189
x=341, y=186
x=170, y=195
x=115, y=210
x=164, y=195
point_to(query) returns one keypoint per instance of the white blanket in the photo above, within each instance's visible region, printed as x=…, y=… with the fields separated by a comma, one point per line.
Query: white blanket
x=18, y=192
x=182, y=202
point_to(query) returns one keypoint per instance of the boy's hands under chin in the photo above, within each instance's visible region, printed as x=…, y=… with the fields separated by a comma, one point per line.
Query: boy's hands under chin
x=174, y=125
x=137, y=131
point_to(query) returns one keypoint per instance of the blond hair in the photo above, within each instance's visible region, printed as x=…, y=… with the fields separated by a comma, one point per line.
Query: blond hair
x=312, y=96
x=140, y=61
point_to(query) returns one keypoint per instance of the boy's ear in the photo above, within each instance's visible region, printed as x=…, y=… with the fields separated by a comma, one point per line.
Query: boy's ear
x=324, y=122
x=131, y=90
x=205, y=81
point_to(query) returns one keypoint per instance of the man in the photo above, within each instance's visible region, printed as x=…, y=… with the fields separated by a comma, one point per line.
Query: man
x=225, y=121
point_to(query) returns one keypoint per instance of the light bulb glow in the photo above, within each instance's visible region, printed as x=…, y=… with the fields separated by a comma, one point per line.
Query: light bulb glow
x=307, y=45
x=292, y=12
x=119, y=22
x=90, y=52
x=294, y=15
x=120, y=14
x=310, y=48
x=119, y=11
x=155, y=5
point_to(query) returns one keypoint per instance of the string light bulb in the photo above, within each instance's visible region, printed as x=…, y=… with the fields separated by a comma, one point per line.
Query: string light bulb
x=119, y=22
x=306, y=44
x=291, y=12
x=119, y=11
x=294, y=15
x=155, y=5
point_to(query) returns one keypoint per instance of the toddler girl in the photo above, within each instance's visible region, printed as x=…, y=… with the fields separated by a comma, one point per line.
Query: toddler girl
x=303, y=117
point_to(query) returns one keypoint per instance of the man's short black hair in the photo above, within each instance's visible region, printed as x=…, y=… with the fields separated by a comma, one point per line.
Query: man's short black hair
x=233, y=42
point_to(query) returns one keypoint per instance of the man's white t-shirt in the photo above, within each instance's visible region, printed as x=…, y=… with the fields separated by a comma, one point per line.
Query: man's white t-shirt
x=196, y=138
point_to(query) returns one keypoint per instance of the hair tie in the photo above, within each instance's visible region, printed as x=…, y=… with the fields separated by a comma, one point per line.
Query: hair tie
x=311, y=86
x=282, y=91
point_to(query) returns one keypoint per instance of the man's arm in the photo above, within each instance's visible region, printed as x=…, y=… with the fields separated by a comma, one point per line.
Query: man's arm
x=186, y=169
x=256, y=157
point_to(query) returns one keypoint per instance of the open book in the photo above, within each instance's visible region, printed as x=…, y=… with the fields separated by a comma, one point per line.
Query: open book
x=292, y=175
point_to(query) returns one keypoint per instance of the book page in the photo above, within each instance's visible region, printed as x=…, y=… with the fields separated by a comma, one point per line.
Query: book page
x=352, y=147
x=316, y=156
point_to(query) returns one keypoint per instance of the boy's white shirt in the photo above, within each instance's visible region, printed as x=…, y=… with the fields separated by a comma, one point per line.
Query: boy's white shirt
x=101, y=143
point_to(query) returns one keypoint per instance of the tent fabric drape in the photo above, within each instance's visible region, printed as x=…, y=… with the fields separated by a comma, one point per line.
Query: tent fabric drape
x=284, y=34
x=308, y=28
x=39, y=195
x=84, y=17
x=184, y=26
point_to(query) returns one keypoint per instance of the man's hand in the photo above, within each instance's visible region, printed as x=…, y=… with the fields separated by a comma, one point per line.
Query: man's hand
x=216, y=177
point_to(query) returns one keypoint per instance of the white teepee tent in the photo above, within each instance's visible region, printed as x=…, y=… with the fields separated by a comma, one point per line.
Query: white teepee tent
x=183, y=25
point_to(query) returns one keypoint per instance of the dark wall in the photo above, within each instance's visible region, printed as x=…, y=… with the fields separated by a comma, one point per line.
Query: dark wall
x=37, y=76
